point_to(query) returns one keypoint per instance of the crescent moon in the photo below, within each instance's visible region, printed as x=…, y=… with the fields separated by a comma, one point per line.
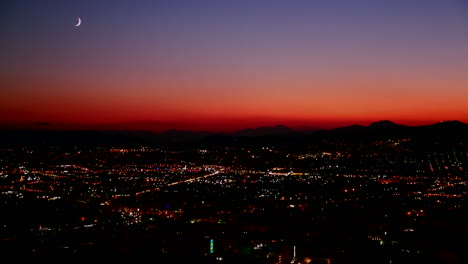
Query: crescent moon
x=79, y=22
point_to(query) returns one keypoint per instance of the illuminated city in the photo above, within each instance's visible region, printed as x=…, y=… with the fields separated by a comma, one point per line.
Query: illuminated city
x=234, y=131
x=259, y=199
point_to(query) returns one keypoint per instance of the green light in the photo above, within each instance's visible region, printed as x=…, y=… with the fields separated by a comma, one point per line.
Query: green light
x=211, y=246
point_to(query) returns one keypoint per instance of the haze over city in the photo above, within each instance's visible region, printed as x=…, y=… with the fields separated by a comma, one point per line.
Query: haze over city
x=226, y=65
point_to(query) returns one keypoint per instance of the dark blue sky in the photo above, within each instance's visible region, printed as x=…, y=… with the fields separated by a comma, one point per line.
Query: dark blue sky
x=322, y=61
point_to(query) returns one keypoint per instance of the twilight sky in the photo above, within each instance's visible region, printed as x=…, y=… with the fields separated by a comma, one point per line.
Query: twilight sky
x=222, y=65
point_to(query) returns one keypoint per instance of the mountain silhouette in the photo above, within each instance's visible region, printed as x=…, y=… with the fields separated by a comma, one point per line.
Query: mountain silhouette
x=184, y=135
x=265, y=131
x=386, y=124
x=442, y=131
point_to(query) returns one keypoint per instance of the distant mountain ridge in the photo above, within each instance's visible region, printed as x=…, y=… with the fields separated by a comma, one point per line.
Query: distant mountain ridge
x=386, y=124
x=383, y=128
x=265, y=131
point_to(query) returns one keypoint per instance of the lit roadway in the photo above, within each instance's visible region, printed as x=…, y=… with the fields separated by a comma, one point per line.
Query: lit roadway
x=184, y=181
x=194, y=179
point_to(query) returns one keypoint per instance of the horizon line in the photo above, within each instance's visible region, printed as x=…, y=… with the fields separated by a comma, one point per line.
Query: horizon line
x=120, y=126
